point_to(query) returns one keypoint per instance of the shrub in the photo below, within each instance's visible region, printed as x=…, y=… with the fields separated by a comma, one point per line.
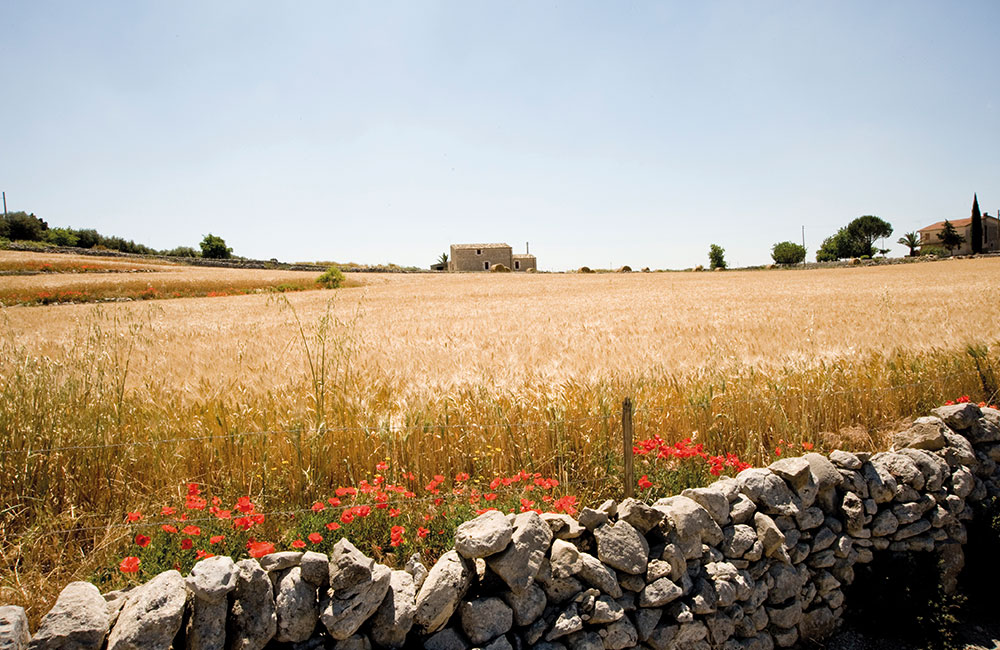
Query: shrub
x=332, y=278
x=22, y=226
x=787, y=252
x=214, y=247
x=182, y=251
x=940, y=251
x=61, y=237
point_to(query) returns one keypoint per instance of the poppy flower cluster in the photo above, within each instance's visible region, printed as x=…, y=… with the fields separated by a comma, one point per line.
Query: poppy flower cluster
x=376, y=513
x=965, y=399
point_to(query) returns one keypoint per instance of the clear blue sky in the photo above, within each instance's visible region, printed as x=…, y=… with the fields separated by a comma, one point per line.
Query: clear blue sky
x=603, y=133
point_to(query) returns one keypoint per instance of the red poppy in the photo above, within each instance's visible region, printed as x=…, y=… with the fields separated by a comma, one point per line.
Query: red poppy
x=394, y=512
x=260, y=549
x=215, y=539
x=315, y=538
x=461, y=476
x=167, y=510
x=644, y=482
x=201, y=555
x=129, y=565
x=807, y=445
x=186, y=543
x=224, y=514
x=316, y=507
x=333, y=501
x=332, y=525
x=777, y=451
x=346, y=517
x=245, y=505
x=193, y=489
x=134, y=516
x=382, y=466
x=191, y=530
x=168, y=528
x=422, y=532
x=298, y=544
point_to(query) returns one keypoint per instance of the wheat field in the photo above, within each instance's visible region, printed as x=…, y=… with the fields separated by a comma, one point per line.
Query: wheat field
x=110, y=407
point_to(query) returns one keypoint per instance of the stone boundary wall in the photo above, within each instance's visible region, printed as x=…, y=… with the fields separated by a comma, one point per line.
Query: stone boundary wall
x=749, y=563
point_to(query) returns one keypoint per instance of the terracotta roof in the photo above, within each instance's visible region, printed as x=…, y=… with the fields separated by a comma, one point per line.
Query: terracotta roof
x=958, y=223
x=466, y=246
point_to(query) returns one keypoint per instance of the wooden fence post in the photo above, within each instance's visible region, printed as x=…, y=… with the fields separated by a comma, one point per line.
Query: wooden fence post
x=627, y=442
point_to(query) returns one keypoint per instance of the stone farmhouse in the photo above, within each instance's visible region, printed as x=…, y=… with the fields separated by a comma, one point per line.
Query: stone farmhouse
x=484, y=257
x=991, y=234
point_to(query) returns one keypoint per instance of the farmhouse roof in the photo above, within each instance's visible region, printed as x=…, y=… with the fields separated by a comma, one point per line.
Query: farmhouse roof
x=523, y=256
x=958, y=223
x=462, y=246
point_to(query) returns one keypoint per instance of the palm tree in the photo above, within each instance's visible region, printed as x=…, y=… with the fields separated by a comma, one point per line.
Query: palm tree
x=443, y=259
x=910, y=240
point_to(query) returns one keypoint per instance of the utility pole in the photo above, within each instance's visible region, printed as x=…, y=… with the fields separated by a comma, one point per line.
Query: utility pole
x=4, y=204
x=803, y=244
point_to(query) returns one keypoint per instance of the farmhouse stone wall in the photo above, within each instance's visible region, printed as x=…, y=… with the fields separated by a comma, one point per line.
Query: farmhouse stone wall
x=472, y=257
x=749, y=563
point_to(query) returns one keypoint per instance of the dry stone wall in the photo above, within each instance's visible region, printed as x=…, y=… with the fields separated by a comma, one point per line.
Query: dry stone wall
x=749, y=563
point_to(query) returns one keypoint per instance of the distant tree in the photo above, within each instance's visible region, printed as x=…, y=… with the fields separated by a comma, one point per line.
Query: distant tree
x=717, y=257
x=949, y=237
x=787, y=252
x=977, y=226
x=332, y=278
x=214, y=247
x=911, y=240
x=24, y=226
x=87, y=238
x=443, y=259
x=863, y=232
x=61, y=236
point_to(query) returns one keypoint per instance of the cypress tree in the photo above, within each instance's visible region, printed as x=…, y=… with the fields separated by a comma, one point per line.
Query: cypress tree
x=977, y=226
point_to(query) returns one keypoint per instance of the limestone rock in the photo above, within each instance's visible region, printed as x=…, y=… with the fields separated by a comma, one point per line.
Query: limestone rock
x=563, y=526
x=485, y=618
x=252, y=617
x=591, y=519
x=349, y=566
x=79, y=619
x=619, y=635
x=924, y=433
x=447, y=582
x=692, y=524
x=394, y=617
x=343, y=611
x=567, y=622
x=280, y=561
x=711, y=499
x=845, y=459
x=738, y=540
x=485, y=535
x=520, y=561
x=527, y=605
x=152, y=615
x=416, y=569
x=296, y=607
x=620, y=545
x=741, y=509
x=959, y=416
x=595, y=573
x=213, y=578
x=206, y=625
x=880, y=482
x=564, y=559
x=637, y=513
x=14, y=634
x=767, y=490
x=768, y=533
x=446, y=639
x=315, y=568
x=659, y=593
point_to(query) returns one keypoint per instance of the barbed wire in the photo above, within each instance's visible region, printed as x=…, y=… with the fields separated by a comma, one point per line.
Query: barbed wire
x=381, y=505
x=464, y=426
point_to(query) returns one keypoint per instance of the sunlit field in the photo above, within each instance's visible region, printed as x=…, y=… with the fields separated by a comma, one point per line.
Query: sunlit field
x=284, y=397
